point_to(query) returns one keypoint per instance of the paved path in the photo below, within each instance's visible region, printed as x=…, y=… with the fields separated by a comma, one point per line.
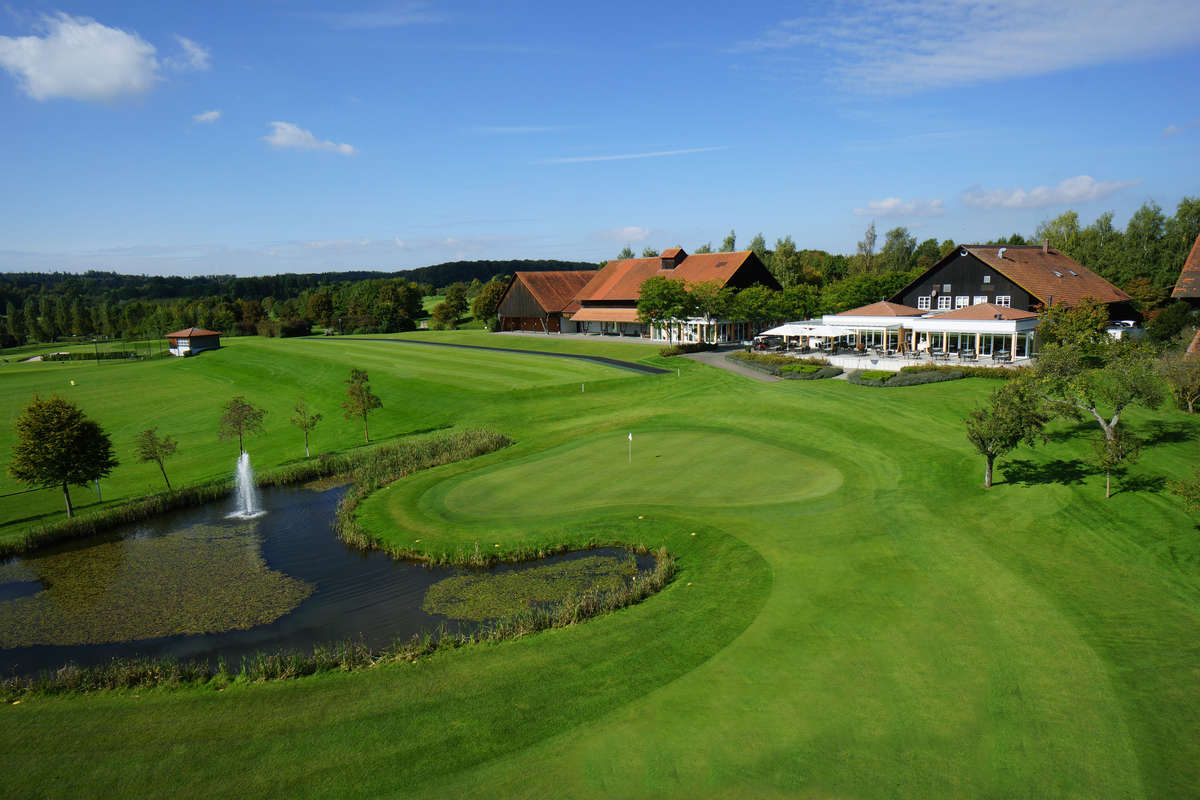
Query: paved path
x=716, y=358
x=610, y=362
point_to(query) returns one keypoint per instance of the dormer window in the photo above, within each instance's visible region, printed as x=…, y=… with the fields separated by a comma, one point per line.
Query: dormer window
x=1057, y=273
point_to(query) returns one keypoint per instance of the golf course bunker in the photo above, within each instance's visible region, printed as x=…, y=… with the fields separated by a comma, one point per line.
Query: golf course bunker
x=699, y=467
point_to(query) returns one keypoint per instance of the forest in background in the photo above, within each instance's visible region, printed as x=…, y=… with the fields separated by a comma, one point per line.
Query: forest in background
x=1144, y=260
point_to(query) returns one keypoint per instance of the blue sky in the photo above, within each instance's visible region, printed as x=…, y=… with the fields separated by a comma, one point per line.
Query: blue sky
x=257, y=138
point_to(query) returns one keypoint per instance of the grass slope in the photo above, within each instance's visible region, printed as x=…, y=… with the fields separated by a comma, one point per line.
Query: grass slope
x=854, y=616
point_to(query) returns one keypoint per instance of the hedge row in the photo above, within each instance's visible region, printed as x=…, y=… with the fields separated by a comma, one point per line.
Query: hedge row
x=879, y=378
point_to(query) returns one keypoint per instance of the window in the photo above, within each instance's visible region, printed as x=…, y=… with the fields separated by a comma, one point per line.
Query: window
x=1004, y=300
x=979, y=298
x=945, y=288
x=923, y=302
x=961, y=301
x=987, y=278
x=944, y=302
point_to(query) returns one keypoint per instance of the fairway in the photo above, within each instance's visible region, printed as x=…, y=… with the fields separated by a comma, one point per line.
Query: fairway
x=853, y=614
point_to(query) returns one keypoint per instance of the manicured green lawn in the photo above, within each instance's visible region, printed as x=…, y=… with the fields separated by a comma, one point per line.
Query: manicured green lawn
x=854, y=616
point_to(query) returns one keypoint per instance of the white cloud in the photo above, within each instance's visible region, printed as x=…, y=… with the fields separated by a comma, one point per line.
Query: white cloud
x=625, y=156
x=895, y=207
x=1175, y=130
x=1080, y=189
x=401, y=16
x=207, y=116
x=890, y=45
x=287, y=136
x=627, y=234
x=195, y=56
x=80, y=59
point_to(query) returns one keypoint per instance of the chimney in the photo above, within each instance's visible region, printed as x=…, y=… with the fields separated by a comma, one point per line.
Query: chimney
x=1045, y=247
x=672, y=257
x=1000, y=254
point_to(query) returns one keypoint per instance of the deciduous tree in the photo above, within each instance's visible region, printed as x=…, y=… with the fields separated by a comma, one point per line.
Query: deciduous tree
x=57, y=445
x=663, y=301
x=484, y=306
x=240, y=419
x=1113, y=452
x=148, y=447
x=1181, y=371
x=729, y=244
x=306, y=420
x=1016, y=414
x=360, y=402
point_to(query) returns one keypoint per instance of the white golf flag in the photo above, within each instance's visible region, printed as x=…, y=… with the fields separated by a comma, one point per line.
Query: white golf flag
x=631, y=437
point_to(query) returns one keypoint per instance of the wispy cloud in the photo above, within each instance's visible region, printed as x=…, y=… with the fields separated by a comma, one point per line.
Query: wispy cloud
x=80, y=59
x=626, y=234
x=1080, y=189
x=395, y=16
x=1175, y=130
x=194, y=57
x=516, y=130
x=207, y=116
x=900, y=45
x=895, y=207
x=286, y=136
x=627, y=156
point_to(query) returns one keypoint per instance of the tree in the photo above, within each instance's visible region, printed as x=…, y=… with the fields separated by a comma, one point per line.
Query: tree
x=758, y=245
x=320, y=307
x=1016, y=414
x=898, y=248
x=483, y=308
x=1062, y=232
x=240, y=419
x=801, y=301
x=927, y=254
x=662, y=301
x=1113, y=452
x=57, y=446
x=710, y=299
x=866, y=249
x=1181, y=371
x=1188, y=489
x=444, y=317
x=1081, y=325
x=785, y=262
x=704, y=248
x=148, y=447
x=756, y=304
x=626, y=253
x=305, y=419
x=649, y=252
x=359, y=400
x=456, y=299
x=1167, y=323
x=729, y=243
x=1068, y=377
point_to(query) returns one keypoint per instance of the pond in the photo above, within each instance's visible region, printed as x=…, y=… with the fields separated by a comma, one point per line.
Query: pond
x=200, y=585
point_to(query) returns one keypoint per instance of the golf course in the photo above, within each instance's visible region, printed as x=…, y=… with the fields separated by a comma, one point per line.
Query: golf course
x=852, y=614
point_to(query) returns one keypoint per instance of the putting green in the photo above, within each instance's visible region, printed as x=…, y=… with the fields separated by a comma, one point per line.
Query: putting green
x=710, y=468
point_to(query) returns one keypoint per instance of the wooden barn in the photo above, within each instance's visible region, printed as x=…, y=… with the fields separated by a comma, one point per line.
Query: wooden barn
x=190, y=341
x=1188, y=286
x=609, y=302
x=1025, y=278
x=538, y=301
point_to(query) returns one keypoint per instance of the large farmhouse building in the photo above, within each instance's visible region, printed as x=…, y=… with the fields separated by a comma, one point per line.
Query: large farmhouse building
x=538, y=301
x=608, y=304
x=1188, y=286
x=1026, y=278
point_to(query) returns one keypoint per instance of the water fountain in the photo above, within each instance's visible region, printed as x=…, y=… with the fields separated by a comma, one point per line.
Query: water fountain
x=247, y=495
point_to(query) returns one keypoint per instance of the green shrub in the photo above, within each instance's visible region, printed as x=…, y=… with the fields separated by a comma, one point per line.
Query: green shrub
x=881, y=375
x=968, y=371
x=809, y=372
x=904, y=378
x=681, y=349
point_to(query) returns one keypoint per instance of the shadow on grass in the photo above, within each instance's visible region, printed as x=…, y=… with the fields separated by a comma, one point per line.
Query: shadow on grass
x=1069, y=432
x=1140, y=483
x=1027, y=473
x=1164, y=432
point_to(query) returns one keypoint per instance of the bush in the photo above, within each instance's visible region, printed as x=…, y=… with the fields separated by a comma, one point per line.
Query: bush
x=809, y=372
x=90, y=356
x=680, y=349
x=968, y=371
x=916, y=378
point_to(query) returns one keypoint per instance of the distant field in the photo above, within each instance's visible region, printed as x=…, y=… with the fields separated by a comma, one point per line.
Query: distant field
x=854, y=616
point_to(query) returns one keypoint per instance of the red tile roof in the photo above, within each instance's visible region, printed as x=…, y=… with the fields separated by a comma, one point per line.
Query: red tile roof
x=555, y=291
x=1047, y=276
x=606, y=315
x=986, y=311
x=622, y=280
x=1188, y=284
x=187, y=333
x=882, y=309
